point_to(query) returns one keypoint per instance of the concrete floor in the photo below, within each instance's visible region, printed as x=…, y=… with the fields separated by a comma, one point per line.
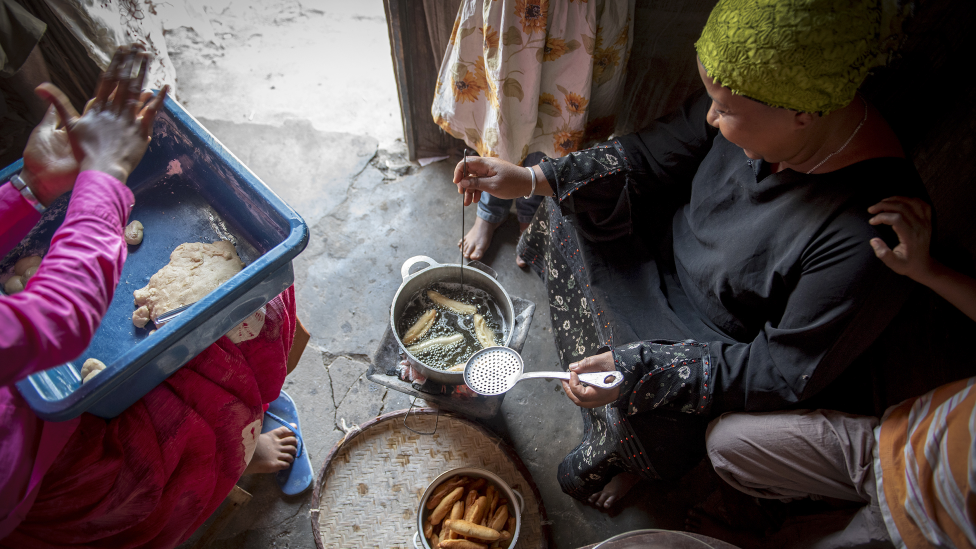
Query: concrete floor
x=303, y=93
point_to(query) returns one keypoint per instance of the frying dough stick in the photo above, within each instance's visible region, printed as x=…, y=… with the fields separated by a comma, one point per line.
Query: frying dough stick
x=444, y=489
x=500, y=519
x=456, y=512
x=456, y=306
x=420, y=327
x=446, y=505
x=486, y=336
x=480, y=508
x=466, y=528
x=469, y=505
x=437, y=341
x=461, y=544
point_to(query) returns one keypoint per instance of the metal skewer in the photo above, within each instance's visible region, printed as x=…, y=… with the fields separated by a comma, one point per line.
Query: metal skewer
x=171, y=314
x=463, y=196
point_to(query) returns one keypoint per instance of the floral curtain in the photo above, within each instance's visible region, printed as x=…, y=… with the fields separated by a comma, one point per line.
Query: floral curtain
x=522, y=76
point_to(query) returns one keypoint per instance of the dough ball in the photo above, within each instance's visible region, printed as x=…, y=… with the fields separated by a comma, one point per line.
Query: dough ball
x=141, y=296
x=25, y=263
x=90, y=375
x=140, y=317
x=133, y=233
x=30, y=272
x=91, y=367
x=14, y=285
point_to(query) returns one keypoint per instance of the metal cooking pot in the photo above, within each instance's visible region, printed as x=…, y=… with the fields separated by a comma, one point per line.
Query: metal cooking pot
x=510, y=495
x=436, y=272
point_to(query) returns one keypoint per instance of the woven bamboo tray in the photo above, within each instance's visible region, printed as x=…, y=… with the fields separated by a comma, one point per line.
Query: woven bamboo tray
x=368, y=491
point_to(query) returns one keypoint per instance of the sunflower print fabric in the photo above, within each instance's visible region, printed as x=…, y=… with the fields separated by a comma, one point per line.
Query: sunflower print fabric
x=523, y=76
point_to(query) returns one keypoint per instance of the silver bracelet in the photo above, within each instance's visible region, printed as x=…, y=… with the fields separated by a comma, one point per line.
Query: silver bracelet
x=532, y=192
x=25, y=191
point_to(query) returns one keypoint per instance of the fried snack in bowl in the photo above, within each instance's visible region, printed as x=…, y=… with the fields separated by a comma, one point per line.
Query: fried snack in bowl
x=469, y=508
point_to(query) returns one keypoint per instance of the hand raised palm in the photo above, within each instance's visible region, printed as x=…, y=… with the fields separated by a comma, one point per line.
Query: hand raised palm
x=48, y=156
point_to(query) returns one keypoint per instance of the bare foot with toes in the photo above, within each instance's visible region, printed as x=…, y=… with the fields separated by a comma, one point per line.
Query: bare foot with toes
x=615, y=490
x=275, y=451
x=475, y=243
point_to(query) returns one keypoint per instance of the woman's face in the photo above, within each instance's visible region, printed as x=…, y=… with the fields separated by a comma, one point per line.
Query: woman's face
x=761, y=131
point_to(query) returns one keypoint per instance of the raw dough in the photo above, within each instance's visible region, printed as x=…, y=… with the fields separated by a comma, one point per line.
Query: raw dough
x=140, y=316
x=14, y=285
x=194, y=270
x=133, y=233
x=91, y=368
x=25, y=263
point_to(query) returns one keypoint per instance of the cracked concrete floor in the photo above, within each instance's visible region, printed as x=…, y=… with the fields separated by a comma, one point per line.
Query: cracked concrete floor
x=307, y=101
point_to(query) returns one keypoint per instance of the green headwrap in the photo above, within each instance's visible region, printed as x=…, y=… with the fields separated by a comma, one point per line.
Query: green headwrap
x=805, y=55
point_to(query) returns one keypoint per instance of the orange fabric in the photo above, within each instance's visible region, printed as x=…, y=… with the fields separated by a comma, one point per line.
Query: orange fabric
x=898, y=435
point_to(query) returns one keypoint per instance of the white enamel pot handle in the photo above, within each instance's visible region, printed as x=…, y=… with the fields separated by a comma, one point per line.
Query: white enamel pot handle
x=405, y=269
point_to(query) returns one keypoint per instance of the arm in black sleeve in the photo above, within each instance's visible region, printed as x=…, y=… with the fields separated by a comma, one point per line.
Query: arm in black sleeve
x=599, y=181
x=842, y=300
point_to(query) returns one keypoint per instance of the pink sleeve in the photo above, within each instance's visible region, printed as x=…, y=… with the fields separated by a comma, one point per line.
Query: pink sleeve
x=17, y=217
x=54, y=318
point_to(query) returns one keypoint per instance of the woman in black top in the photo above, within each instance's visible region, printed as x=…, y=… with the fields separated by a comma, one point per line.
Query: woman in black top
x=722, y=254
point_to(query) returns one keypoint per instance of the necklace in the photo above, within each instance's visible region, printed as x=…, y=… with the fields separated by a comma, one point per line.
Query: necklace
x=849, y=139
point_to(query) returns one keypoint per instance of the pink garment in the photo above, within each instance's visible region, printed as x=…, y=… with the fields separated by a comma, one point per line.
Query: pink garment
x=151, y=476
x=52, y=321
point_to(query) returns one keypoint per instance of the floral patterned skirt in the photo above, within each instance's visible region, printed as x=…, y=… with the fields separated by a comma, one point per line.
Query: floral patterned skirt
x=521, y=76
x=655, y=446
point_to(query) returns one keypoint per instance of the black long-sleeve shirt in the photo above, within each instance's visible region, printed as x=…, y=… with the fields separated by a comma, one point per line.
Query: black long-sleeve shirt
x=772, y=273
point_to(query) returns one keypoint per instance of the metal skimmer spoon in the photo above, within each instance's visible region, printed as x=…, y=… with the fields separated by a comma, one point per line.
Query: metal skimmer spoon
x=495, y=370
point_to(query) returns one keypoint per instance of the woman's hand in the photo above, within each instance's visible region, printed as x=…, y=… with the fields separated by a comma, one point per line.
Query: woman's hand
x=911, y=219
x=113, y=133
x=50, y=167
x=498, y=178
x=586, y=396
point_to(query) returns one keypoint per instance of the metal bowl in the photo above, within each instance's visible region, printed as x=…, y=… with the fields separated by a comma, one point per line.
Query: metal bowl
x=511, y=495
x=436, y=272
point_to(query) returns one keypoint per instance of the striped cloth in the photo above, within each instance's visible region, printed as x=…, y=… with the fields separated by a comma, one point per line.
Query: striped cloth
x=927, y=473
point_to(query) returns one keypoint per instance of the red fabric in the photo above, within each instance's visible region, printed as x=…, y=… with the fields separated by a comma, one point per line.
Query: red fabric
x=152, y=476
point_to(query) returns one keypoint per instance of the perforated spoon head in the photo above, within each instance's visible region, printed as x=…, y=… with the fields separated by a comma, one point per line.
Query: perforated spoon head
x=493, y=371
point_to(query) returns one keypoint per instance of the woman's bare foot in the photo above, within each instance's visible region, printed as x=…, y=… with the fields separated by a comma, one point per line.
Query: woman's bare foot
x=518, y=260
x=475, y=243
x=274, y=452
x=615, y=490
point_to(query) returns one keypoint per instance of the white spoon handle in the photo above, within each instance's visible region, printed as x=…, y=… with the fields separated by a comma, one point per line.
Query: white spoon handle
x=603, y=380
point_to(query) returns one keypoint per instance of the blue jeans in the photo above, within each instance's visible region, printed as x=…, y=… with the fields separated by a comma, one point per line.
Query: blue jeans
x=495, y=210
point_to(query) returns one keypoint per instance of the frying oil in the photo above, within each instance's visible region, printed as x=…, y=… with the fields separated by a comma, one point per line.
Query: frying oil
x=443, y=357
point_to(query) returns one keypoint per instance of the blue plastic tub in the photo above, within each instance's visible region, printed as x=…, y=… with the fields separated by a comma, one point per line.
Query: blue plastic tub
x=188, y=188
